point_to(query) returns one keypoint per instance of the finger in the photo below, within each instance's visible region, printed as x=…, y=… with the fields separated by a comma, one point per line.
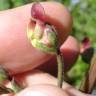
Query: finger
x=7, y=94
x=42, y=90
x=49, y=90
x=70, y=50
x=16, y=52
x=43, y=82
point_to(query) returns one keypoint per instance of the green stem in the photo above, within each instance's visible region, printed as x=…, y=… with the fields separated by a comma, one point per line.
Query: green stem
x=60, y=68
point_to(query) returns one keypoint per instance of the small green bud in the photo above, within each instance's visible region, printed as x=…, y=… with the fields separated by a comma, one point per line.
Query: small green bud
x=15, y=87
x=3, y=75
x=5, y=90
x=43, y=36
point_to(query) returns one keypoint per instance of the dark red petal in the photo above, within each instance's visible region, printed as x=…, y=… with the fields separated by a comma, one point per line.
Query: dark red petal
x=37, y=12
x=86, y=42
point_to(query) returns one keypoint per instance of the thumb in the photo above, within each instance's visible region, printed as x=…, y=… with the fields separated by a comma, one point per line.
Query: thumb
x=10, y=94
x=42, y=90
x=16, y=52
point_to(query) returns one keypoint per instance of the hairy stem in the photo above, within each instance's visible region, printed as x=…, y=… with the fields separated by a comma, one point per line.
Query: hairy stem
x=60, y=68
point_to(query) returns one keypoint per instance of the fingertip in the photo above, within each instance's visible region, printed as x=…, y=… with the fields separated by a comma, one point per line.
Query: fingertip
x=71, y=43
x=58, y=15
x=70, y=50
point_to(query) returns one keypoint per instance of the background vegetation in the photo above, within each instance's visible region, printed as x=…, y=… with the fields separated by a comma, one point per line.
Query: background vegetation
x=84, y=16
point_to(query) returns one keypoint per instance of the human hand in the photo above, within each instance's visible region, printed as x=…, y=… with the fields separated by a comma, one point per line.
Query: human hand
x=17, y=55
x=39, y=83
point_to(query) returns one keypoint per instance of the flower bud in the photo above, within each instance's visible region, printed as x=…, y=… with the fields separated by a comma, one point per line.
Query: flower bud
x=43, y=36
x=87, y=51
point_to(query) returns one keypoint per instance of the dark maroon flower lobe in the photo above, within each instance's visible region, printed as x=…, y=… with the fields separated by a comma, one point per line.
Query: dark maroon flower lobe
x=37, y=12
x=88, y=50
x=86, y=43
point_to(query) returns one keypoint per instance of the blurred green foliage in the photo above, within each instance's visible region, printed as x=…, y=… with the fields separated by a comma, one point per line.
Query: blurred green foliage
x=84, y=17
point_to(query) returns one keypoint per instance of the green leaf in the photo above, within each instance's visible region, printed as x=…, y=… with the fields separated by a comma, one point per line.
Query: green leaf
x=4, y=4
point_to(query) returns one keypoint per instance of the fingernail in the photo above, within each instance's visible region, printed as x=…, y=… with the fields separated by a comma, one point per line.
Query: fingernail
x=35, y=93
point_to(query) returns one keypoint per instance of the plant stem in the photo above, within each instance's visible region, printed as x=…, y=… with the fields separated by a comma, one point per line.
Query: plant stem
x=60, y=68
x=89, y=81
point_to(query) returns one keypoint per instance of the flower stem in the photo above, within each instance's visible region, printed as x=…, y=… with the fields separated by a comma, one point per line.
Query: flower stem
x=60, y=68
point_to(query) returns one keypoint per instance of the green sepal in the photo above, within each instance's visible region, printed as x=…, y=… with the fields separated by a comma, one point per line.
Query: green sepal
x=40, y=46
x=52, y=36
x=38, y=31
x=30, y=33
x=15, y=87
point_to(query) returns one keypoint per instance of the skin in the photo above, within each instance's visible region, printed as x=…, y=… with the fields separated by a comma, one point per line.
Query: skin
x=18, y=56
x=13, y=34
x=70, y=55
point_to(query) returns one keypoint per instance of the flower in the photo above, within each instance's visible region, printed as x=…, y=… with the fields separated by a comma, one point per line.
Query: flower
x=87, y=51
x=42, y=35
